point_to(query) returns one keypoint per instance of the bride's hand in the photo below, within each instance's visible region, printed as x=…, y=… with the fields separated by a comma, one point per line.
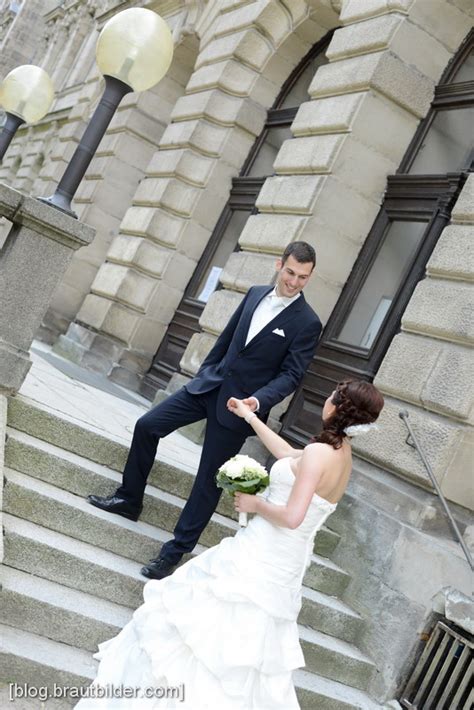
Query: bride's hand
x=245, y=503
x=238, y=407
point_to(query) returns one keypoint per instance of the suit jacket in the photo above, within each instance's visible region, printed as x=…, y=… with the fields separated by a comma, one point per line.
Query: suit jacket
x=269, y=367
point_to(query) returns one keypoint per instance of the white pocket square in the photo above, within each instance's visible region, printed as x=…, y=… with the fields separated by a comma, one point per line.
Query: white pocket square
x=279, y=331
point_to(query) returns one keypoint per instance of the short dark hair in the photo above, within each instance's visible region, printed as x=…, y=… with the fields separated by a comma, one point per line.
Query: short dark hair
x=301, y=251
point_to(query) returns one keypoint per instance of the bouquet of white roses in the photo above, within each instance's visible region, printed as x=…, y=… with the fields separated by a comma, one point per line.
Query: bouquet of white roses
x=244, y=474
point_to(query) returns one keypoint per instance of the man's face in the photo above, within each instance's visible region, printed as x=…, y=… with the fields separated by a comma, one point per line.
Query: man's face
x=292, y=276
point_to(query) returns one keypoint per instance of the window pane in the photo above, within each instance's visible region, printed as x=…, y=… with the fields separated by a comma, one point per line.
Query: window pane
x=226, y=246
x=465, y=71
x=373, y=301
x=447, y=145
x=299, y=91
x=263, y=163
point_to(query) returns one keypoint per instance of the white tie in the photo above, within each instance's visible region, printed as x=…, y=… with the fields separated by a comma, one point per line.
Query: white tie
x=268, y=308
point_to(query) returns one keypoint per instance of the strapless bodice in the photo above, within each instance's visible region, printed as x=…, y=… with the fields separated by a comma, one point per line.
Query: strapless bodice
x=282, y=480
x=287, y=551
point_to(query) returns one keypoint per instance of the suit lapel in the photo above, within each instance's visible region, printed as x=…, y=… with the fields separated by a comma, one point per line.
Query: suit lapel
x=248, y=313
x=286, y=315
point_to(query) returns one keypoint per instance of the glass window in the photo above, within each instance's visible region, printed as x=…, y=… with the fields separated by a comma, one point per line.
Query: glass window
x=447, y=145
x=372, y=303
x=263, y=163
x=299, y=91
x=224, y=249
x=465, y=71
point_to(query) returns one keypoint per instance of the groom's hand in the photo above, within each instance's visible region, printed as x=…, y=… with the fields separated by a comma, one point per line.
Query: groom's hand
x=251, y=402
x=238, y=407
x=242, y=407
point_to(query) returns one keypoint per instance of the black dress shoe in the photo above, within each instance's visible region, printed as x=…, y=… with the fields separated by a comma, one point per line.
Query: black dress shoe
x=116, y=504
x=157, y=569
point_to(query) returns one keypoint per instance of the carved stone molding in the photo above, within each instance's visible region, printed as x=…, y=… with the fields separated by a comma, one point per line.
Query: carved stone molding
x=190, y=19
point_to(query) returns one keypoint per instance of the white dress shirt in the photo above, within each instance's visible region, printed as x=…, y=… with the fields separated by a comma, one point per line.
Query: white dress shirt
x=268, y=308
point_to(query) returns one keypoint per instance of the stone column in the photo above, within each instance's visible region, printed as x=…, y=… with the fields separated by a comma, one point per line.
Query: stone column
x=106, y=192
x=362, y=111
x=33, y=258
x=245, y=54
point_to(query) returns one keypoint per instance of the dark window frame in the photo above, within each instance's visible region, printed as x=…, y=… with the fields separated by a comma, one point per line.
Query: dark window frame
x=418, y=197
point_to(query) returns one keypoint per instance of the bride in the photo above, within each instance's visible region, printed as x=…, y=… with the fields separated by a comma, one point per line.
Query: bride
x=221, y=631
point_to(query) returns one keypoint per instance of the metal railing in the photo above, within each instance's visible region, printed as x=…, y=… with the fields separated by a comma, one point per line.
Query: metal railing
x=403, y=414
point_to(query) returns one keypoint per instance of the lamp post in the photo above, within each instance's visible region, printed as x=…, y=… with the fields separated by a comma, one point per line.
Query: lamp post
x=26, y=94
x=134, y=51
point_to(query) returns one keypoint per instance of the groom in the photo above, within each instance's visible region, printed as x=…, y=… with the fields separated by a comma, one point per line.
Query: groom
x=260, y=357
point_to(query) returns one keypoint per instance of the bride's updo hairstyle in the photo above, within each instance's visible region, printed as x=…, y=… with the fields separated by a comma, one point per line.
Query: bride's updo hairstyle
x=356, y=402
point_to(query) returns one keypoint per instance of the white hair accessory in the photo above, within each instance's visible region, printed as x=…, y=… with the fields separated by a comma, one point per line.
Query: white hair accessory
x=357, y=429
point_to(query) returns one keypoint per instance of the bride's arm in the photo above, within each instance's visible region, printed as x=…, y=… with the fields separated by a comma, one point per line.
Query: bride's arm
x=274, y=443
x=313, y=463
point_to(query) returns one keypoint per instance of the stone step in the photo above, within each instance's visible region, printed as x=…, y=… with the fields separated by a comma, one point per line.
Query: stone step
x=26, y=658
x=73, y=617
x=326, y=576
x=53, y=466
x=73, y=563
x=59, y=613
x=318, y=693
x=160, y=508
x=70, y=436
x=57, y=509
x=335, y=659
x=330, y=615
x=25, y=703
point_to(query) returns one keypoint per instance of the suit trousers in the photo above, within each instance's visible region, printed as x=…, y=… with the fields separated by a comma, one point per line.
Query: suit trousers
x=220, y=443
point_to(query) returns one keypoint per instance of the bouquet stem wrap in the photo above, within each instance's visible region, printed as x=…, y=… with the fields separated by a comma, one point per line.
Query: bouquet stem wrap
x=243, y=474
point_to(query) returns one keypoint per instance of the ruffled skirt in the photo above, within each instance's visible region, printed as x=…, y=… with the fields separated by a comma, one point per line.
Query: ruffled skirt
x=220, y=632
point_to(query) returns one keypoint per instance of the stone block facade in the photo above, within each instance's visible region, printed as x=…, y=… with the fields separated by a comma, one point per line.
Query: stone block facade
x=429, y=367
x=163, y=171
x=161, y=178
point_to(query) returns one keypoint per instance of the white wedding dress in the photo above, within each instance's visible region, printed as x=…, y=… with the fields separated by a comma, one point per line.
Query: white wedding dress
x=224, y=624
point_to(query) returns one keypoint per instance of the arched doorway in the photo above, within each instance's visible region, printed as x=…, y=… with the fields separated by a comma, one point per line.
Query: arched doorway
x=416, y=208
x=241, y=204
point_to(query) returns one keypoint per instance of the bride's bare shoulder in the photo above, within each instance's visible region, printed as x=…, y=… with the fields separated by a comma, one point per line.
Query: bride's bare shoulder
x=319, y=451
x=317, y=447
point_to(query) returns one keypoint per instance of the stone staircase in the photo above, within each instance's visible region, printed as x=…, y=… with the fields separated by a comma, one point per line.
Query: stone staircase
x=71, y=574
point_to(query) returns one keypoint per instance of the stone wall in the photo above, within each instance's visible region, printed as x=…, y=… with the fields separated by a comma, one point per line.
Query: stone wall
x=163, y=171
x=398, y=545
x=400, y=553
x=113, y=177
x=116, y=170
x=27, y=165
x=39, y=155
x=3, y=434
x=18, y=43
x=428, y=368
x=159, y=182
x=364, y=108
x=236, y=77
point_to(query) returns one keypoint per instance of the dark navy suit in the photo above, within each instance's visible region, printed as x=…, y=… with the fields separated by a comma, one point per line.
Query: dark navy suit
x=269, y=367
